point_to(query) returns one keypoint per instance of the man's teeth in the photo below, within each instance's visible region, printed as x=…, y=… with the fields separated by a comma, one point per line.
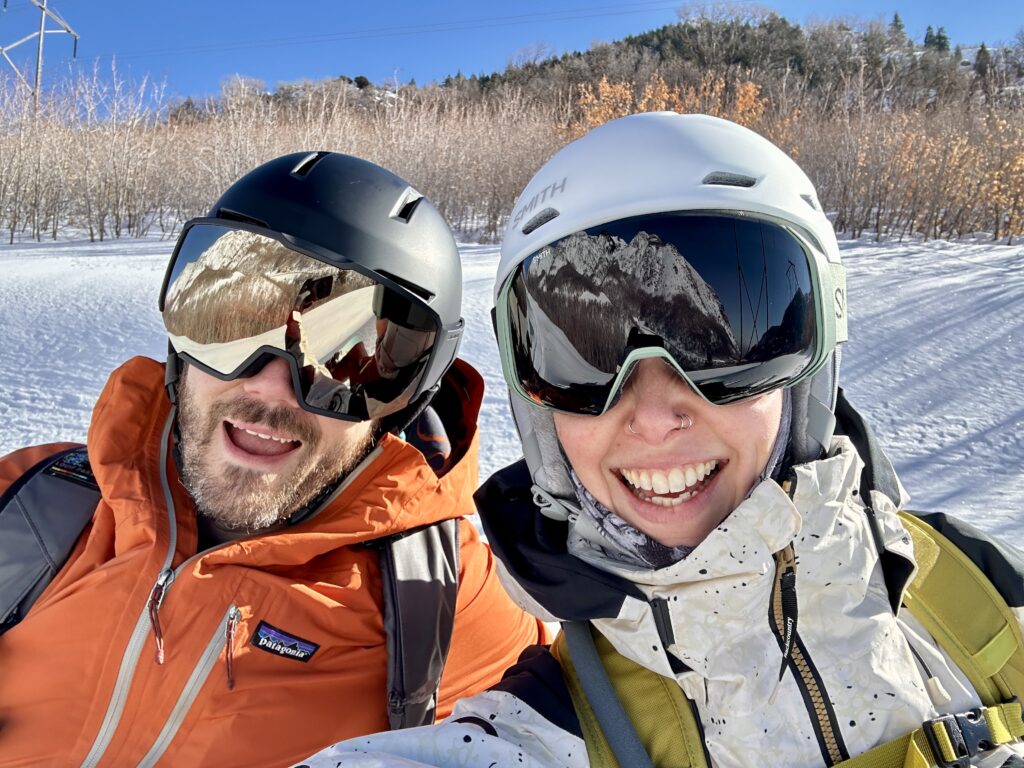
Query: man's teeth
x=678, y=480
x=269, y=437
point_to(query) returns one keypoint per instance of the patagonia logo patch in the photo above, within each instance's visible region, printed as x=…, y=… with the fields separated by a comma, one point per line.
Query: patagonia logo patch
x=74, y=466
x=273, y=640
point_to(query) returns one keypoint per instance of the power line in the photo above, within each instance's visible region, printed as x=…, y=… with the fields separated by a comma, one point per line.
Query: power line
x=401, y=31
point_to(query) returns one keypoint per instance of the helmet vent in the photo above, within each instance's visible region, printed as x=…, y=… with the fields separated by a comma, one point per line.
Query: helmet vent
x=726, y=179
x=413, y=288
x=227, y=213
x=306, y=164
x=809, y=199
x=406, y=205
x=540, y=220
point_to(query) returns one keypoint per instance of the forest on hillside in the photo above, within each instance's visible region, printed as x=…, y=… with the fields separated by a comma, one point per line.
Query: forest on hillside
x=902, y=137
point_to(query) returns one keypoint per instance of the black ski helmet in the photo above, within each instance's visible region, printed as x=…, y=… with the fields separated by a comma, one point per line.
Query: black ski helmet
x=348, y=210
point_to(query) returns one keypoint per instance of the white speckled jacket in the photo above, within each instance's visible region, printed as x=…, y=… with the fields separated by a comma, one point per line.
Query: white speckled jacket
x=870, y=660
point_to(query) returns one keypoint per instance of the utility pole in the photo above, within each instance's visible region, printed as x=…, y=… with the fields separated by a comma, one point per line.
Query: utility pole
x=65, y=28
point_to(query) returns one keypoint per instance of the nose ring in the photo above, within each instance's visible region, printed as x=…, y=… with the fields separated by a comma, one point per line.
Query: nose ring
x=685, y=422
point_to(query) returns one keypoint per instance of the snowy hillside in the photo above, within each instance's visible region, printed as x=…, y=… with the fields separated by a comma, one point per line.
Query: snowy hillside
x=935, y=361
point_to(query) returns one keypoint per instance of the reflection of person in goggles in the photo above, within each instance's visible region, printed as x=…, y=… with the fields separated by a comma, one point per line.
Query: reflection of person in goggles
x=358, y=343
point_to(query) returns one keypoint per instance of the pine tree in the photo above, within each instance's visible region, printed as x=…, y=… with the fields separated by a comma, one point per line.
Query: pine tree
x=982, y=61
x=896, y=36
x=929, y=38
x=941, y=41
x=896, y=25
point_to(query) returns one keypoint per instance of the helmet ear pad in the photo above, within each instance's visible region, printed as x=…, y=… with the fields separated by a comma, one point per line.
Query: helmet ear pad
x=814, y=401
x=549, y=468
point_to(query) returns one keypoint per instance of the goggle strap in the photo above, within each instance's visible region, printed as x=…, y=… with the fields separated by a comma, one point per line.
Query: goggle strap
x=839, y=297
x=821, y=422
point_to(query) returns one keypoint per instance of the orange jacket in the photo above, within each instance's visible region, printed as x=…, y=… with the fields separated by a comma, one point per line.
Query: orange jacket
x=79, y=675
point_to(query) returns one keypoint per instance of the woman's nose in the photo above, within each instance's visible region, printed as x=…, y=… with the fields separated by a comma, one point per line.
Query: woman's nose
x=658, y=402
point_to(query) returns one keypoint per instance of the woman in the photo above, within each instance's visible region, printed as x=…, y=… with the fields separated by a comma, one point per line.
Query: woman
x=727, y=560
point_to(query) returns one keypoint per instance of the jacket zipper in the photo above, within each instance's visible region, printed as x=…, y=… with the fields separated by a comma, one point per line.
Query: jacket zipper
x=130, y=657
x=223, y=633
x=783, y=616
x=156, y=598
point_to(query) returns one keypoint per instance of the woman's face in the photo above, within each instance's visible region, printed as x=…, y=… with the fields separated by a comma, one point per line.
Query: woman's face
x=674, y=484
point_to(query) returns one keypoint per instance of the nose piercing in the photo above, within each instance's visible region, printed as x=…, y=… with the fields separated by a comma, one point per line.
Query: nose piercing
x=685, y=422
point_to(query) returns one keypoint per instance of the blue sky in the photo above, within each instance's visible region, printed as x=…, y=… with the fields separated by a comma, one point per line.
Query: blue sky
x=194, y=45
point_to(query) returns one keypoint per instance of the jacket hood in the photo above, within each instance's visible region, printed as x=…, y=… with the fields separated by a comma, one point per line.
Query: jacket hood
x=393, y=490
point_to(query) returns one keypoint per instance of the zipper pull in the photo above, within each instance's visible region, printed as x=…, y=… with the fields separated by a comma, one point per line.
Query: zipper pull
x=786, y=584
x=229, y=641
x=156, y=597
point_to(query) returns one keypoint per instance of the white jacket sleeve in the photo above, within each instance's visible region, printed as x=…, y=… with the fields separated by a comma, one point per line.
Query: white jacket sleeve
x=493, y=729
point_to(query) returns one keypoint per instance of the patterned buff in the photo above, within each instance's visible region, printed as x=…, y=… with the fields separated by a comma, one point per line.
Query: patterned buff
x=622, y=542
x=625, y=544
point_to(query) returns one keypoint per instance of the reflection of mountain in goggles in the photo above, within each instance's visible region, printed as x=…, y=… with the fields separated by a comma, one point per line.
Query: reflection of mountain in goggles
x=358, y=346
x=734, y=304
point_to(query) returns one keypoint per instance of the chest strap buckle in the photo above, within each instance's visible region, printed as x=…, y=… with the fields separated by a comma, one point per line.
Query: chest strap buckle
x=956, y=738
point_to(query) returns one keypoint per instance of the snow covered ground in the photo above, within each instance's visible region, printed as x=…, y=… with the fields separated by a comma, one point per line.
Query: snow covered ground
x=935, y=358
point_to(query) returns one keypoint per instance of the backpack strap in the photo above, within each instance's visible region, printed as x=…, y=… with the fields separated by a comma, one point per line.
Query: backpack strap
x=962, y=609
x=661, y=727
x=947, y=741
x=420, y=574
x=42, y=514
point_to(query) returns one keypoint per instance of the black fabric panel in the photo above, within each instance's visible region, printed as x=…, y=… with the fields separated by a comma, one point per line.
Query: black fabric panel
x=448, y=403
x=1002, y=563
x=536, y=679
x=533, y=548
x=879, y=474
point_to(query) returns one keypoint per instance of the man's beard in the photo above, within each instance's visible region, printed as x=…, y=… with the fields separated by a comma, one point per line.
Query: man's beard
x=245, y=500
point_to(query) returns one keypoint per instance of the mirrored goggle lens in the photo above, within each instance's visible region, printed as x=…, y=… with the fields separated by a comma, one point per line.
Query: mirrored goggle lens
x=731, y=299
x=235, y=295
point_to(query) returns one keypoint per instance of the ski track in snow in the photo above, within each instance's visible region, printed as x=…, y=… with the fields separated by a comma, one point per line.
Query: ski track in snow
x=935, y=360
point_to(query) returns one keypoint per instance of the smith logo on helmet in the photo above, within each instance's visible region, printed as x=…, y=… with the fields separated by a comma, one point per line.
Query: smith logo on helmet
x=548, y=192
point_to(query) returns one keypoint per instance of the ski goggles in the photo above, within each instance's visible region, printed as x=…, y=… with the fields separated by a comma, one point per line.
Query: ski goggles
x=737, y=305
x=359, y=345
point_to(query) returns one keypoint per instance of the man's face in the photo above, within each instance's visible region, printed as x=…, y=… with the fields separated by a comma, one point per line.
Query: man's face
x=251, y=456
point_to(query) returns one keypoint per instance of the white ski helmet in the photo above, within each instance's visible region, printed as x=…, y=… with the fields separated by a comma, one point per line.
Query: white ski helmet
x=665, y=162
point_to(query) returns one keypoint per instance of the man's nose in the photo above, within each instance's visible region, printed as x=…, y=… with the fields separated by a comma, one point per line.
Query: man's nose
x=273, y=383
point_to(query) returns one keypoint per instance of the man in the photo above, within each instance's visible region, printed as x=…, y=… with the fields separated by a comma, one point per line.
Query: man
x=232, y=601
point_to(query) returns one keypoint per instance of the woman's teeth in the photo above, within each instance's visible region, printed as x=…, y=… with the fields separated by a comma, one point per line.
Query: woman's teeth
x=669, y=488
